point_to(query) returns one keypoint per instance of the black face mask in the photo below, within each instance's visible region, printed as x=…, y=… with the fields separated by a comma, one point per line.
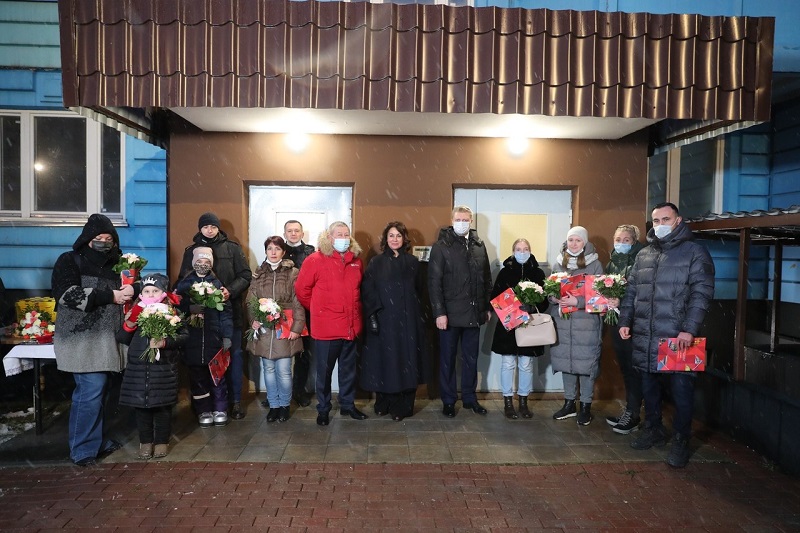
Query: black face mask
x=102, y=246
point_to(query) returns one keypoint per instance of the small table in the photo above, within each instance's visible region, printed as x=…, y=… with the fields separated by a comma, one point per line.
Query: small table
x=24, y=357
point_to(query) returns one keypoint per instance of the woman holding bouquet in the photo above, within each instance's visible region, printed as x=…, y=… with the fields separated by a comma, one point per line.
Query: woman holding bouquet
x=275, y=279
x=577, y=353
x=626, y=246
x=151, y=387
x=522, y=265
x=391, y=364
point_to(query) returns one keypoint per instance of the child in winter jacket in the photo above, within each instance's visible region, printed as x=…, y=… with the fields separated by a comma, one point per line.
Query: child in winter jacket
x=209, y=399
x=151, y=387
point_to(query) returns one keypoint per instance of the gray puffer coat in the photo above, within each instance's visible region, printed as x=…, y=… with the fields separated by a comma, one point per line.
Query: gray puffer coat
x=670, y=288
x=579, y=344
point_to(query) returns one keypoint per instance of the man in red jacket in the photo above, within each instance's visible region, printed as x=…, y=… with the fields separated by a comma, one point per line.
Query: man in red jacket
x=329, y=285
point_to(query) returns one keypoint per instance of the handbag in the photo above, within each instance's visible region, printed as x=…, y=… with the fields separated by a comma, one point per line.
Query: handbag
x=538, y=331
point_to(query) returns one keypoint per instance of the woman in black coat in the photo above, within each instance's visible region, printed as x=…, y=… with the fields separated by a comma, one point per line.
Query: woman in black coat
x=520, y=266
x=392, y=356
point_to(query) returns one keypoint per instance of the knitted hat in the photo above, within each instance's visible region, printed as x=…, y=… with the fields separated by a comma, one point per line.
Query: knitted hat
x=160, y=281
x=208, y=219
x=579, y=231
x=202, y=252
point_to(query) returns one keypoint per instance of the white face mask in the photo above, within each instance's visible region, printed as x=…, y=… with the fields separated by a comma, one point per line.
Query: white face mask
x=461, y=227
x=341, y=245
x=575, y=254
x=662, y=231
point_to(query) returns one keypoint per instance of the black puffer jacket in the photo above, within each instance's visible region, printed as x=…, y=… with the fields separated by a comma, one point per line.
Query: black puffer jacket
x=670, y=288
x=298, y=254
x=147, y=384
x=459, y=279
x=505, y=342
x=204, y=343
x=230, y=268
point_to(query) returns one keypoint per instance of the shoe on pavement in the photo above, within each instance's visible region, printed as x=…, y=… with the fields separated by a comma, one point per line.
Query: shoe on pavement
x=220, y=418
x=449, y=410
x=585, y=416
x=567, y=411
x=206, y=420
x=160, y=450
x=353, y=413
x=628, y=422
x=323, y=419
x=652, y=435
x=477, y=408
x=679, y=453
x=237, y=413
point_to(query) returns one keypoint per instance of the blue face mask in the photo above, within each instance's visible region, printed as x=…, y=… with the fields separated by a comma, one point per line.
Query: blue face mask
x=522, y=257
x=341, y=245
x=662, y=231
x=622, y=248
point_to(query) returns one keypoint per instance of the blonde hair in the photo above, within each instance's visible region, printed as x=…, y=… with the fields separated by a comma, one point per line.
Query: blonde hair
x=628, y=228
x=338, y=224
x=513, y=246
x=462, y=209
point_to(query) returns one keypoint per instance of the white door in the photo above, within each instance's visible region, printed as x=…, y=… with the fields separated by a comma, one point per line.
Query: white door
x=503, y=215
x=315, y=207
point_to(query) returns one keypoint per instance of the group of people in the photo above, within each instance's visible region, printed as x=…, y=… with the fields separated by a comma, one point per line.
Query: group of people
x=328, y=292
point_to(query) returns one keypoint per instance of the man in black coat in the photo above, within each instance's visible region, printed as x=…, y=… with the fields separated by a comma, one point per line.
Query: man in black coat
x=232, y=269
x=670, y=288
x=459, y=283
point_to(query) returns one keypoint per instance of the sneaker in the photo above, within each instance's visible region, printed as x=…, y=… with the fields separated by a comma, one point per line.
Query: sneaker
x=206, y=420
x=628, y=422
x=220, y=418
x=651, y=436
x=567, y=411
x=679, y=453
x=614, y=420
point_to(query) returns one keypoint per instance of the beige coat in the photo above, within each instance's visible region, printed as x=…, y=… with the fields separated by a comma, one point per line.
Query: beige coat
x=277, y=284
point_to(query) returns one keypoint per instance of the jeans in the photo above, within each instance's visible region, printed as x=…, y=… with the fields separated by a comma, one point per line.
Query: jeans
x=630, y=375
x=525, y=375
x=327, y=353
x=86, y=415
x=235, y=373
x=571, y=387
x=448, y=345
x=682, y=388
x=278, y=380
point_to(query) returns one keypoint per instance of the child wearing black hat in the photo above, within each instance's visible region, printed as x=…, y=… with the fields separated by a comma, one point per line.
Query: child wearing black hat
x=151, y=387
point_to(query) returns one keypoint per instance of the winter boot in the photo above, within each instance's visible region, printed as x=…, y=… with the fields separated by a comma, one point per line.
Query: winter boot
x=585, y=416
x=567, y=411
x=679, y=453
x=524, y=412
x=508, y=407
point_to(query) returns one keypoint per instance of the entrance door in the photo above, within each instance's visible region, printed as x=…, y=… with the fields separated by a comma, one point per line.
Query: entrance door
x=503, y=215
x=315, y=207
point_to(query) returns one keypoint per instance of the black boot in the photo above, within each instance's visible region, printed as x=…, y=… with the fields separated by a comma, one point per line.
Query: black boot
x=523, y=407
x=508, y=407
x=565, y=412
x=585, y=416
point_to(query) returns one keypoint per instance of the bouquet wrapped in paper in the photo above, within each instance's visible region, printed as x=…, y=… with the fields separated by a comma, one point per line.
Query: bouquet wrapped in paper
x=204, y=294
x=553, y=287
x=610, y=286
x=129, y=267
x=267, y=313
x=530, y=294
x=157, y=322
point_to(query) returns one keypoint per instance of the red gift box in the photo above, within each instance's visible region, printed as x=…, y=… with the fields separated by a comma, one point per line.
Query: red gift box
x=692, y=359
x=219, y=364
x=284, y=325
x=595, y=302
x=507, y=306
x=572, y=286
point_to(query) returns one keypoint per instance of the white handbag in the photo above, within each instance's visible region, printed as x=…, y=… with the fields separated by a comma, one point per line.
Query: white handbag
x=538, y=331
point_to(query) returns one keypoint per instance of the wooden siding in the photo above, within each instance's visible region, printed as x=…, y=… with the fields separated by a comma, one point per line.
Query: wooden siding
x=29, y=36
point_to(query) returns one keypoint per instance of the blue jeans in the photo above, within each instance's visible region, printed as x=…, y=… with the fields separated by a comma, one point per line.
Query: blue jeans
x=448, y=346
x=682, y=388
x=86, y=415
x=327, y=353
x=235, y=373
x=278, y=380
x=525, y=374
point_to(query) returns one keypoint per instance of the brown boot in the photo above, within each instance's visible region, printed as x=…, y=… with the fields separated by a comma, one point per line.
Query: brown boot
x=160, y=450
x=145, y=451
x=523, y=407
x=508, y=407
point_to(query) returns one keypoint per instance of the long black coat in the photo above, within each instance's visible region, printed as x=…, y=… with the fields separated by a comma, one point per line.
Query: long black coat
x=459, y=279
x=204, y=343
x=392, y=360
x=146, y=384
x=505, y=342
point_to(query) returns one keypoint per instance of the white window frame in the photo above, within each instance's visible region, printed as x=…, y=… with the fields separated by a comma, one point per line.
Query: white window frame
x=27, y=215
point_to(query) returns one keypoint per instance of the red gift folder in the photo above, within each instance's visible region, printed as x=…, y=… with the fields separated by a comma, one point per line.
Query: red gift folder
x=219, y=364
x=284, y=326
x=506, y=305
x=595, y=302
x=692, y=359
x=572, y=286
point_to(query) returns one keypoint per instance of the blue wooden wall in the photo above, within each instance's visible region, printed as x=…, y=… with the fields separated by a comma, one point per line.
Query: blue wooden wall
x=29, y=35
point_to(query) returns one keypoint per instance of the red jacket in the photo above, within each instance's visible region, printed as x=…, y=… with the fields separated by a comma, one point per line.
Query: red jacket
x=329, y=285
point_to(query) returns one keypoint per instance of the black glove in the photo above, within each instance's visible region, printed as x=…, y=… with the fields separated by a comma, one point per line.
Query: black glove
x=372, y=323
x=196, y=309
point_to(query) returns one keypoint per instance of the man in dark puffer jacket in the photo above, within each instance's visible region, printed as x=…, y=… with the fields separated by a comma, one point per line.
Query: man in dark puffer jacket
x=669, y=292
x=459, y=282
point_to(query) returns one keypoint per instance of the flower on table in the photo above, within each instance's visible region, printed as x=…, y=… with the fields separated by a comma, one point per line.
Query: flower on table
x=36, y=325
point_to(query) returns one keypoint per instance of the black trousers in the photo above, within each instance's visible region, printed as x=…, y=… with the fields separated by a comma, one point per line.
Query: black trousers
x=154, y=424
x=396, y=403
